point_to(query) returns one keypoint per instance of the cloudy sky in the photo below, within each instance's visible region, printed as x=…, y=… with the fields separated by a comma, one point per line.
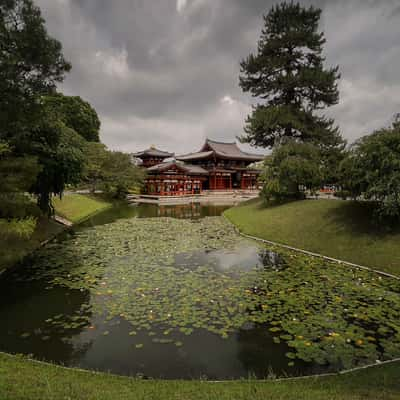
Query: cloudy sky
x=165, y=72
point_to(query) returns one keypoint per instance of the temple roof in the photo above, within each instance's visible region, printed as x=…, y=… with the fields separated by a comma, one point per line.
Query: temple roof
x=195, y=156
x=187, y=168
x=222, y=150
x=153, y=152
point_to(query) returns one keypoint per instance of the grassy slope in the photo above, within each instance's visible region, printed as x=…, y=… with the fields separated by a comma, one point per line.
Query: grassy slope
x=74, y=207
x=77, y=207
x=15, y=250
x=21, y=379
x=334, y=228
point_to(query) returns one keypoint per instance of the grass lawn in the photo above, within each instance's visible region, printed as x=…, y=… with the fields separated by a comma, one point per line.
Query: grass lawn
x=77, y=207
x=74, y=207
x=14, y=250
x=340, y=229
x=21, y=379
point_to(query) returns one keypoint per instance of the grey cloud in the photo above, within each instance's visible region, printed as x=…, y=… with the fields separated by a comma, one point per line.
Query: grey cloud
x=157, y=75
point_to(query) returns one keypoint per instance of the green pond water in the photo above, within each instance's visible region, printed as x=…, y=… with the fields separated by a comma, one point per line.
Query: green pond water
x=175, y=292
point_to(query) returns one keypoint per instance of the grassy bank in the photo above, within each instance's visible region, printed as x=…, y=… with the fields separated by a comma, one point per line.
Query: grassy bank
x=14, y=250
x=334, y=228
x=73, y=207
x=26, y=380
x=77, y=207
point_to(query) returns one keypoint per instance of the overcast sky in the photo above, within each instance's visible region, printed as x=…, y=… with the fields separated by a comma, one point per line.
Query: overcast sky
x=165, y=72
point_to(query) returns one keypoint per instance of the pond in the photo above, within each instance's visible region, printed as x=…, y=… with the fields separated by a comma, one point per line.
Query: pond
x=189, y=298
x=181, y=211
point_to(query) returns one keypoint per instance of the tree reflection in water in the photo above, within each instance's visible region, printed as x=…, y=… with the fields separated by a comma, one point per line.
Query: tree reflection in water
x=271, y=260
x=39, y=332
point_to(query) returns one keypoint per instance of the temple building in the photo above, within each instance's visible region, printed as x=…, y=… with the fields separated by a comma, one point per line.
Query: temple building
x=152, y=156
x=217, y=166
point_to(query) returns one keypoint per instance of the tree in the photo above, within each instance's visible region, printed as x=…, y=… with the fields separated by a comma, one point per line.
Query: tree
x=60, y=154
x=111, y=171
x=31, y=63
x=17, y=174
x=351, y=178
x=96, y=155
x=291, y=170
x=17, y=212
x=120, y=174
x=372, y=170
x=288, y=75
x=77, y=114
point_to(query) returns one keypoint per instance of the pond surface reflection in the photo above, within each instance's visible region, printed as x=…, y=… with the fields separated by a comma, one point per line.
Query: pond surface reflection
x=184, y=211
x=68, y=326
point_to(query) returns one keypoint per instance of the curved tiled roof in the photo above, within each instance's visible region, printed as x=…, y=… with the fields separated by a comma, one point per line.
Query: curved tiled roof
x=187, y=168
x=195, y=156
x=153, y=152
x=223, y=150
x=230, y=150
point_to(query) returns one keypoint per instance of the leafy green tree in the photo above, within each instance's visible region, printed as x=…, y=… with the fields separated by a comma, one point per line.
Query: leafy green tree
x=17, y=174
x=351, y=178
x=372, y=170
x=120, y=174
x=110, y=171
x=31, y=64
x=17, y=211
x=292, y=170
x=96, y=155
x=331, y=157
x=60, y=154
x=287, y=74
x=77, y=114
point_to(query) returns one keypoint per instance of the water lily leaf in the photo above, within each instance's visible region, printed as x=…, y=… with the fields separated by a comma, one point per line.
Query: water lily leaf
x=164, y=275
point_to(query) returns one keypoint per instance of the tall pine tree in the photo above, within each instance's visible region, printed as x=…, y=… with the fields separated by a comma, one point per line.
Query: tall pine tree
x=288, y=75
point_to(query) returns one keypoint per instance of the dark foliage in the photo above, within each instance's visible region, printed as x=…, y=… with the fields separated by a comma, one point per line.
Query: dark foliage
x=291, y=171
x=77, y=114
x=31, y=63
x=372, y=170
x=288, y=75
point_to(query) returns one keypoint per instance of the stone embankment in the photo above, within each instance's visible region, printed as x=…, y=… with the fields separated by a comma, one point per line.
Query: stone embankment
x=207, y=197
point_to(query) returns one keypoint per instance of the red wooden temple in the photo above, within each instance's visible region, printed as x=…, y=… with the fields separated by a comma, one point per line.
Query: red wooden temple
x=217, y=166
x=152, y=156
